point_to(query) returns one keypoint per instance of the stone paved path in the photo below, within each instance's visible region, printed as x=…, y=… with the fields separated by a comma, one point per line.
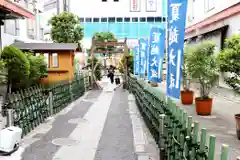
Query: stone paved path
x=101, y=125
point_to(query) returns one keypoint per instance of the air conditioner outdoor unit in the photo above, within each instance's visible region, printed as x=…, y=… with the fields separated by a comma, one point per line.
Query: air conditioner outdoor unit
x=10, y=139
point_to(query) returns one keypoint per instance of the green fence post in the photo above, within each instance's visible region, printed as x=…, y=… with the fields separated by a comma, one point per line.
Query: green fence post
x=224, y=152
x=211, y=151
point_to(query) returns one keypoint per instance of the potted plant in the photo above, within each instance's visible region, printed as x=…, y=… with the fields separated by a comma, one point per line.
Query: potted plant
x=202, y=66
x=229, y=62
x=186, y=93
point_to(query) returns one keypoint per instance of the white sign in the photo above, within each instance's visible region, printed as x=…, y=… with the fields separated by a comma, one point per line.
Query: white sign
x=135, y=5
x=151, y=5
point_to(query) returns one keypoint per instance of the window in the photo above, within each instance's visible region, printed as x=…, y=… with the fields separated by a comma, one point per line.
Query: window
x=54, y=60
x=88, y=20
x=103, y=19
x=135, y=19
x=164, y=19
x=95, y=19
x=111, y=19
x=158, y=19
x=209, y=5
x=119, y=19
x=10, y=27
x=82, y=20
x=50, y=6
x=150, y=19
x=142, y=19
x=126, y=19
x=46, y=58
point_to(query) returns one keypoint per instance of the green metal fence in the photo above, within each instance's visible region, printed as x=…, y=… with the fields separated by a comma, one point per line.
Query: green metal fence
x=174, y=131
x=32, y=106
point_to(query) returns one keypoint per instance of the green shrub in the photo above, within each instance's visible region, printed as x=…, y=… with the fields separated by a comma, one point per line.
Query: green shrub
x=229, y=61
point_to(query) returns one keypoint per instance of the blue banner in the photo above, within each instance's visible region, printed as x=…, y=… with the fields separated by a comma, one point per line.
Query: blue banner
x=177, y=10
x=143, y=58
x=156, y=54
x=136, y=59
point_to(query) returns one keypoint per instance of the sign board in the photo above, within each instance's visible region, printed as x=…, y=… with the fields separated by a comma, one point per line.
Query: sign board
x=151, y=5
x=135, y=5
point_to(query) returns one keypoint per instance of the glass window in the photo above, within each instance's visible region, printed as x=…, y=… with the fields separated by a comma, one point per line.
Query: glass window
x=81, y=19
x=50, y=6
x=103, y=19
x=163, y=19
x=95, y=19
x=126, y=19
x=119, y=19
x=150, y=19
x=135, y=19
x=88, y=19
x=54, y=60
x=158, y=19
x=142, y=19
x=111, y=19
x=46, y=58
x=10, y=27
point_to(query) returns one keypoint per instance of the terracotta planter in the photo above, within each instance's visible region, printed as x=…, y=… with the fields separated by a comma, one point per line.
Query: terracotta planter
x=237, y=118
x=154, y=84
x=203, y=106
x=187, y=97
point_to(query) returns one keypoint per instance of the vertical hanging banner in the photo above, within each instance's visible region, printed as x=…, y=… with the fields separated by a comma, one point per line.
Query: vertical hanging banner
x=151, y=5
x=135, y=5
x=177, y=10
x=156, y=54
x=142, y=54
x=136, y=60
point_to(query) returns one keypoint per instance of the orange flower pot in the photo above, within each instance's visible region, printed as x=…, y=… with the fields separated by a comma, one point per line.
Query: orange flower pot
x=237, y=118
x=154, y=84
x=187, y=97
x=203, y=106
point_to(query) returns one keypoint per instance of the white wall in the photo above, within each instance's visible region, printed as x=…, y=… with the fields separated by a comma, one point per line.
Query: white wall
x=97, y=8
x=197, y=12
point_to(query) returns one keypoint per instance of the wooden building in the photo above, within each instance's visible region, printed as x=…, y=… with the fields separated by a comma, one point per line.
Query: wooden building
x=59, y=58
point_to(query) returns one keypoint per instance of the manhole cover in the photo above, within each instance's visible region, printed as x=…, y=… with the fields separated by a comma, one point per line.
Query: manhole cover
x=64, y=142
x=77, y=121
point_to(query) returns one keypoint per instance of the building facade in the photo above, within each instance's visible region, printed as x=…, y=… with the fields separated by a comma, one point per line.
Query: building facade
x=50, y=9
x=22, y=28
x=213, y=20
x=125, y=18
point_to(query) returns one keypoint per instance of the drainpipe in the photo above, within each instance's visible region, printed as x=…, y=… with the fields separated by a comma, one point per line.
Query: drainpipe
x=58, y=7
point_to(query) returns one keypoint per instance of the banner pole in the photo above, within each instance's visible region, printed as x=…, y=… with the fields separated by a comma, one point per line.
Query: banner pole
x=167, y=40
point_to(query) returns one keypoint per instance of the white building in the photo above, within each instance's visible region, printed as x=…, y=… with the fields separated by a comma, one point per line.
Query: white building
x=50, y=9
x=26, y=29
x=124, y=18
x=212, y=20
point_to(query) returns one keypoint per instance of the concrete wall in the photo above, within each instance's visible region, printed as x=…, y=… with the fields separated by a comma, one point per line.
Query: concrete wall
x=97, y=8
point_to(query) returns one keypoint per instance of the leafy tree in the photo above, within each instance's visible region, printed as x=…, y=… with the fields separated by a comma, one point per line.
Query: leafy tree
x=121, y=63
x=105, y=37
x=229, y=60
x=66, y=28
x=97, y=66
x=17, y=65
x=202, y=66
x=38, y=69
x=2, y=72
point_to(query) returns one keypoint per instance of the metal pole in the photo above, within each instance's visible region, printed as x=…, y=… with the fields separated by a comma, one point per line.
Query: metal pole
x=10, y=121
x=50, y=102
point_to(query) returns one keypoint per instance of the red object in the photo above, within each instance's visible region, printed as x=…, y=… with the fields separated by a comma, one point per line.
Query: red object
x=187, y=97
x=16, y=9
x=203, y=106
x=231, y=11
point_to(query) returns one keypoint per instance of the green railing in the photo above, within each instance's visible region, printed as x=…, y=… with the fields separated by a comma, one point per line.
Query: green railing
x=174, y=131
x=32, y=106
